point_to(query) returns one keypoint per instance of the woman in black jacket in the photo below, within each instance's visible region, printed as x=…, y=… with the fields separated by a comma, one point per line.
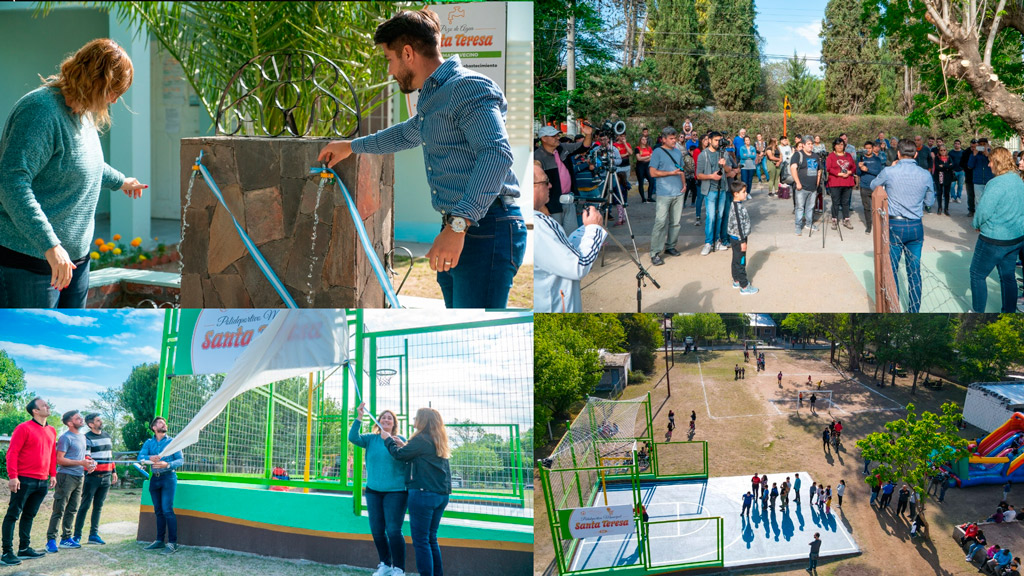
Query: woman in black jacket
x=429, y=484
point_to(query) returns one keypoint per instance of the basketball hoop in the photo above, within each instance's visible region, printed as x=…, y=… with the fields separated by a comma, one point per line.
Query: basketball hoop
x=384, y=376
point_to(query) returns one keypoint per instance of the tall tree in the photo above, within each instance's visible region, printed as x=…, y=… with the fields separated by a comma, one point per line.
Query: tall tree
x=138, y=396
x=676, y=48
x=963, y=37
x=908, y=448
x=929, y=344
x=643, y=338
x=550, y=31
x=12, y=378
x=703, y=327
x=733, y=54
x=989, y=350
x=804, y=90
x=566, y=368
x=849, y=53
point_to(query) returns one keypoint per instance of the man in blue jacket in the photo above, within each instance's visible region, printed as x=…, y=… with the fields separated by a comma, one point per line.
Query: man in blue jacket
x=870, y=165
x=981, y=173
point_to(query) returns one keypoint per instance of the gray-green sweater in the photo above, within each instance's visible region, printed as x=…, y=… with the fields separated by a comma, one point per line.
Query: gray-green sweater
x=383, y=472
x=1000, y=214
x=51, y=174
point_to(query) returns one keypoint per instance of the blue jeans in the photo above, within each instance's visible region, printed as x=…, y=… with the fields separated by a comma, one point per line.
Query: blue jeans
x=723, y=227
x=387, y=512
x=23, y=289
x=958, y=185
x=804, y=208
x=714, y=209
x=907, y=236
x=425, y=511
x=814, y=562
x=161, y=491
x=762, y=168
x=490, y=258
x=699, y=202
x=986, y=257
x=748, y=179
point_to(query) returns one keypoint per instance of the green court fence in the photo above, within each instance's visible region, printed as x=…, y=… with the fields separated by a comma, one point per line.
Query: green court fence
x=478, y=375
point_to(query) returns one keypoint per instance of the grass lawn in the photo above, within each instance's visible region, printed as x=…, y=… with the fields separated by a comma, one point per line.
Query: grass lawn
x=747, y=432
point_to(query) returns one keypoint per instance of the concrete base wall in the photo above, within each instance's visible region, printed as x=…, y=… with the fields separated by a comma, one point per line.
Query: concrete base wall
x=267, y=185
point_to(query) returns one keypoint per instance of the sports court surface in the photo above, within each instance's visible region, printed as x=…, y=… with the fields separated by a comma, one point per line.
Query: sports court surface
x=765, y=538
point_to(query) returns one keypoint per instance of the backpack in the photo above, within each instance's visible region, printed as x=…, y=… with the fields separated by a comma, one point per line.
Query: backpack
x=784, y=175
x=689, y=166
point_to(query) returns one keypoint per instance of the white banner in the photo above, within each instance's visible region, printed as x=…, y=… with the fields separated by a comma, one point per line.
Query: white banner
x=220, y=336
x=476, y=32
x=601, y=521
x=295, y=343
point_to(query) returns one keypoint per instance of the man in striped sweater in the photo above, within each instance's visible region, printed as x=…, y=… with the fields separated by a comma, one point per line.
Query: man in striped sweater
x=459, y=123
x=32, y=469
x=100, y=448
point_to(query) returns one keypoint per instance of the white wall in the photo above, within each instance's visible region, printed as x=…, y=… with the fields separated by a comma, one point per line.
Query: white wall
x=985, y=410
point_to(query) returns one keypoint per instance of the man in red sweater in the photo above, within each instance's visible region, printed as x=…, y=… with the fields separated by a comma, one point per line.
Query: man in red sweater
x=32, y=469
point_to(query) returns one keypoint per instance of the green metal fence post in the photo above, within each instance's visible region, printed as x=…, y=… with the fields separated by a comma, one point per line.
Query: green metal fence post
x=268, y=446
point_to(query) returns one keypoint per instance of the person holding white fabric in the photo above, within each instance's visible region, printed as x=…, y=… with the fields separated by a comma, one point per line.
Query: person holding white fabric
x=162, y=485
x=560, y=262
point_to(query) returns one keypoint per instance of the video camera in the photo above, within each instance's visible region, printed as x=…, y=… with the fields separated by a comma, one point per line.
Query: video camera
x=610, y=128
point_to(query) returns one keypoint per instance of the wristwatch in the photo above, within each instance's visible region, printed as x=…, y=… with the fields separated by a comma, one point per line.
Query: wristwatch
x=458, y=224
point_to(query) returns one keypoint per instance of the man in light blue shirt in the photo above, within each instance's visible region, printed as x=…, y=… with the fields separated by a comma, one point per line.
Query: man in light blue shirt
x=667, y=170
x=910, y=189
x=460, y=124
x=162, y=485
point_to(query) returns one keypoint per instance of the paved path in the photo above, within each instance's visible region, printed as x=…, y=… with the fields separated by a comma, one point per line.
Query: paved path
x=794, y=274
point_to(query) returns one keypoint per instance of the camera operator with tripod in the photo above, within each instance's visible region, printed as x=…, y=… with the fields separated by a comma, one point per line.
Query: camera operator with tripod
x=714, y=168
x=667, y=170
x=554, y=160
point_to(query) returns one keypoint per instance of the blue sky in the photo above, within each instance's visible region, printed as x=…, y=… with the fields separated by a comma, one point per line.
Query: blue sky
x=787, y=26
x=70, y=356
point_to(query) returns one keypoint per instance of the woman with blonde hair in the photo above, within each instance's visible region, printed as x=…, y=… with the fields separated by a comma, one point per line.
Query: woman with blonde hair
x=51, y=174
x=386, y=496
x=1000, y=220
x=429, y=484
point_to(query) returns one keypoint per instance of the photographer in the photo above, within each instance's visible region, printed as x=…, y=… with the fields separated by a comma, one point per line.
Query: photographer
x=561, y=261
x=554, y=160
x=608, y=158
x=713, y=166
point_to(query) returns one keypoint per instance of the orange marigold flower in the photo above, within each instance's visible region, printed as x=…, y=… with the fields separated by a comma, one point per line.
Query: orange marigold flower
x=104, y=248
x=117, y=237
x=100, y=242
x=137, y=242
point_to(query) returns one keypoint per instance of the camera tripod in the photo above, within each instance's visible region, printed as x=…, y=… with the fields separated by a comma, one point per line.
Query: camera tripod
x=610, y=189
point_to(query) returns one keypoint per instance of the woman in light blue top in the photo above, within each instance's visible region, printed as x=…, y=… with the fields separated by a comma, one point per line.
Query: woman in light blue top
x=1000, y=221
x=386, y=494
x=51, y=175
x=748, y=166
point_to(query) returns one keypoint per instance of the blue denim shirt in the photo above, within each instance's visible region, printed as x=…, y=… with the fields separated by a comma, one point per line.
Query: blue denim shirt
x=460, y=123
x=910, y=188
x=152, y=447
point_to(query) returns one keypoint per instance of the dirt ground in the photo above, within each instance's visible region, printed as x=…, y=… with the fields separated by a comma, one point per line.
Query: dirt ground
x=748, y=433
x=123, y=556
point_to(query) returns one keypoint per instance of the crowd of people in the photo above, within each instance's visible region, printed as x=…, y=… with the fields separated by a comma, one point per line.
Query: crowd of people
x=713, y=174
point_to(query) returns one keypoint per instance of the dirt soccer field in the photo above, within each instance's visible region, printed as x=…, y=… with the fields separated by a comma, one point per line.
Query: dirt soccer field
x=753, y=425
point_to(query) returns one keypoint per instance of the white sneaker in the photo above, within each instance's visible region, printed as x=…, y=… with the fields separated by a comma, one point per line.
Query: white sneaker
x=719, y=247
x=397, y=572
x=383, y=570
x=706, y=250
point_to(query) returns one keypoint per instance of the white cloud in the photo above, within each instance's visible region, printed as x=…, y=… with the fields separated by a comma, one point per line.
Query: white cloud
x=147, y=353
x=808, y=32
x=48, y=354
x=46, y=382
x=62, y=318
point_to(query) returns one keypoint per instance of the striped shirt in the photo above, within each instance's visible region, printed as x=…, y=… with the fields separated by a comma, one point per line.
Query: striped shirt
x=460, y=123
x=100, y=448
x=910, y=189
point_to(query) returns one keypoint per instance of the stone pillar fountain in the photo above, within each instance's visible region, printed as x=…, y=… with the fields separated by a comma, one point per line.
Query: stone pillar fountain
x=267, y=184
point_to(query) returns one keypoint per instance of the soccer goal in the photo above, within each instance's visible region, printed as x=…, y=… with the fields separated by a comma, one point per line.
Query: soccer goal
x=822, y=399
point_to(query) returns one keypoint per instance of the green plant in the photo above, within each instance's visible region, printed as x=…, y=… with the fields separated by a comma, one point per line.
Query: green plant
x=117, y=253
x=212, y=40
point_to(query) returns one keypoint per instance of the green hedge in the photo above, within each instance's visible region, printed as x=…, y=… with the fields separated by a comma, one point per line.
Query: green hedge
x=859, y=128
